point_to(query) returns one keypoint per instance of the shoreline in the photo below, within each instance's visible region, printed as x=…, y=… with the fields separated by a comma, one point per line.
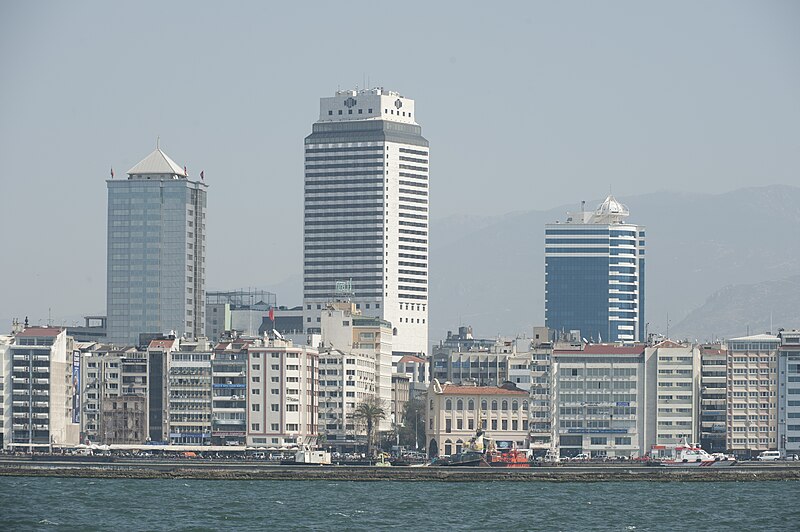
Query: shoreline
x=403, y=474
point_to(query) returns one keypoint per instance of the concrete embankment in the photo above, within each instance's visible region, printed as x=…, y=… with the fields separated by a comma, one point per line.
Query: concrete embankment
x=406, y=474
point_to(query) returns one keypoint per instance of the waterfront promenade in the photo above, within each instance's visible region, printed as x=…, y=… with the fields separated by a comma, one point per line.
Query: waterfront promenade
x=238, y=470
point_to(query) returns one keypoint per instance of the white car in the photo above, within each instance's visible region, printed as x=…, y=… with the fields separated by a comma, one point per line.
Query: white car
x=769, y=455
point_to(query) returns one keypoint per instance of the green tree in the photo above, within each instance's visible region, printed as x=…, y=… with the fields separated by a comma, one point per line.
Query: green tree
x=412, y=433
x=369, y=413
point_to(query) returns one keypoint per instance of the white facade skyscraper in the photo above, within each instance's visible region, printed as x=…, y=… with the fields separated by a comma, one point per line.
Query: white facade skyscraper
x=366, y=213
x=156, y=252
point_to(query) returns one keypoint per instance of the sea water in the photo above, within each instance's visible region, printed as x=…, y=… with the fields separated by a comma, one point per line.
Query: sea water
x=31, y=503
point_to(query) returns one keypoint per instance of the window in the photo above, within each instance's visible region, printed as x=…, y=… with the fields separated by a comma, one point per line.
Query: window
x=494, y=407
x=256, y=391
x=494, y=424
x=255, y=407
x=460, y=405
x=598, y=441
x=471, y=405
x=255, y=427
x=275, y=408
x=448, y=405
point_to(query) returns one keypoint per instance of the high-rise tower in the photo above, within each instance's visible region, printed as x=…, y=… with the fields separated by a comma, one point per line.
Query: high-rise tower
x=594, y=275
x=366, y=213
x=156, y=251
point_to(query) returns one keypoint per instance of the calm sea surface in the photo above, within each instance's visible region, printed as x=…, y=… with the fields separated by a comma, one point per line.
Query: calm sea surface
x=85, y=504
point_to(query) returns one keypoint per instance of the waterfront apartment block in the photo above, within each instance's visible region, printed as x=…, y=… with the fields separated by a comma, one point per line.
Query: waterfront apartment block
x=598, y=399
x=114, y=393
x=156, y=252
x=346, y=329
x=229, y=392
x=456, y=411
x=282, y=391
x=752, y=389
x=5, y=390
x=541, y=411
x=789, y=393
x=189, y=389
x=44, y=390
x=672, y=408
x=594, y=275
x=713, y=397
x=366, y=213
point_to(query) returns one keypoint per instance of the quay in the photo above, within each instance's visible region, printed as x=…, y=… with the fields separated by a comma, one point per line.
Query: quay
x=232, y=470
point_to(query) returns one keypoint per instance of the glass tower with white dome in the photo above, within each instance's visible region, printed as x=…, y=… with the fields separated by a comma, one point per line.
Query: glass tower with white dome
x=594, y=275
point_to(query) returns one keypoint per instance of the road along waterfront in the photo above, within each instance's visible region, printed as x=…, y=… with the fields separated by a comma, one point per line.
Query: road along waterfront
x=222, y=470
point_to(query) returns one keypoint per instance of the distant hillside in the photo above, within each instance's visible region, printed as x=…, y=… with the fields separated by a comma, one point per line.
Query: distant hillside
x=744, y=309
x=489, y=271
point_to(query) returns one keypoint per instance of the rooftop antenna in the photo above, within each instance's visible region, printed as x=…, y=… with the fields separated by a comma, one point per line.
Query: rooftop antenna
x=158, y=143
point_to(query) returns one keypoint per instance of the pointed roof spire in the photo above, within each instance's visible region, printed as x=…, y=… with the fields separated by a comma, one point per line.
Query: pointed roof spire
x=157, y=163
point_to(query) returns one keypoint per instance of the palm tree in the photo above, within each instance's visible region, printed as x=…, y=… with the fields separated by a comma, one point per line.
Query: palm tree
x=370, y=412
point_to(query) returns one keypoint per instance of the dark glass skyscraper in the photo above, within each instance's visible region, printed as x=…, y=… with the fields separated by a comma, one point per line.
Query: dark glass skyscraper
x=594, y=275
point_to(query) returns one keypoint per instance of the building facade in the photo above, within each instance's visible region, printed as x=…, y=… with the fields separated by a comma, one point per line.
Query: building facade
x=713, y=397
x=789, y=393
x=672, y=404
x=752, y=389
x=189, y=393
x=594, y=275
x=598, y=400
x=44, y=390
x=455, y=412
x=282, y=393
x=156, y=252
x=366, y=213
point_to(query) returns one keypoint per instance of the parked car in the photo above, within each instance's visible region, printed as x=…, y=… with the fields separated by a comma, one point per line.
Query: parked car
x=580, y=457
x=769, y=456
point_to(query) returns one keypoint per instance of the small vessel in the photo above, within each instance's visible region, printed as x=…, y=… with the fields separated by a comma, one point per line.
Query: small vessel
x=309, y=455
x=482, y=451
x=691, y=455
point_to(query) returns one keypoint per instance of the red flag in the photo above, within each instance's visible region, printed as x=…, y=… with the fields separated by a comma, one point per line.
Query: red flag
x=112, y=173
x=272, y=315
x=202, y=175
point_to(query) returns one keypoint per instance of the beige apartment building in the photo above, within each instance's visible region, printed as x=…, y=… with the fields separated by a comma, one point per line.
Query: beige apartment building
x=752, y=387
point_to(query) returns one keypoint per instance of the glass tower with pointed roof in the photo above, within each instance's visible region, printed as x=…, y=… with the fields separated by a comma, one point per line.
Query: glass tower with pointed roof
x=156, y=252
x=594, y=275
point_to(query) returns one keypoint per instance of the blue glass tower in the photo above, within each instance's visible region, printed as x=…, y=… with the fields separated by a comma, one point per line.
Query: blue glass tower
x=594, y=275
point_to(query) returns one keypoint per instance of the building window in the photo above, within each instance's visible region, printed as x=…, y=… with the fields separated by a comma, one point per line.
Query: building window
x=330, y=113
x=255, y=407
x=255, y=427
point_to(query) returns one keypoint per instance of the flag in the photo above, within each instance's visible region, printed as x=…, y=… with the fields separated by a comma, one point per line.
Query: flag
x=272, y=315
x=185, y=171
x=112, y=173
x=202, y=175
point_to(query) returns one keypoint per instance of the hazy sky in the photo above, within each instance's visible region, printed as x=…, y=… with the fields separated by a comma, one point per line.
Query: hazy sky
x=527, y=105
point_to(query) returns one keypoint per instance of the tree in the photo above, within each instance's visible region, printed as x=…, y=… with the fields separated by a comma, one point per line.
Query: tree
x=412, y=432
x=370, y=412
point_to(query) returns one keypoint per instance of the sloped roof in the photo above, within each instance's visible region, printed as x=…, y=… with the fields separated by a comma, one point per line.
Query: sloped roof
x=454, y=389
x=411, y=358
x=157, y=162
x=758, y=338
x=161, y=344
x=669, y=344
x=41, y=331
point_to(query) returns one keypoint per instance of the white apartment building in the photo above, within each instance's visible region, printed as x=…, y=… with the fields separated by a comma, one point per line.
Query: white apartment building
x=367, y=213
x=189, y=392
x=673, y=408
x=282, y=385
x=598, y=400
x=752, y=395
x=370, y=340
x=5, y=390
x=44, y=390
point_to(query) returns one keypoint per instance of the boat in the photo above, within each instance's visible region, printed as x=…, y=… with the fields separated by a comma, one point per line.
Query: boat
x=307, y=454
x=691, y=455
x=482, y=451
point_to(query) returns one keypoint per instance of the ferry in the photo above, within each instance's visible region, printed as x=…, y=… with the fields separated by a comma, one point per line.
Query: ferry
x=689, y=455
